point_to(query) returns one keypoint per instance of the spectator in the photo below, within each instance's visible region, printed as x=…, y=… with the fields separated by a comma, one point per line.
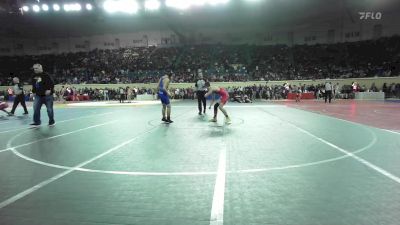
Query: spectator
x=19, y=96
x=43, y=89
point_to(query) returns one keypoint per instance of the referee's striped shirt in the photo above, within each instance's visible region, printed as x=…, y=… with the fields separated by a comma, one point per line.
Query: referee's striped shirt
x=200, y=85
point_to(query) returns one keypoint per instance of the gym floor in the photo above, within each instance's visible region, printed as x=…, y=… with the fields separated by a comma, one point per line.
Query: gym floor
x=280, y=163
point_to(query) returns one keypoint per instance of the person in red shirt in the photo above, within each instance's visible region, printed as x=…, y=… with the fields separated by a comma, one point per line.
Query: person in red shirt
x=224, y=96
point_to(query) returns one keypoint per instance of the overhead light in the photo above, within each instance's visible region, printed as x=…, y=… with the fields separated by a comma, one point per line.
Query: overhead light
x=77, y=7
x=72, y=7
x=35, y=8
x=110, y=6
x=128, y=6
x=152, y=4
x=184, y=4
x=89, y=7
x=125, y=6
x=45, y=7
x=199, y=2
x=25, y=8
x=66, y=7
x=56, y=7
x=216, y=2
x=178, y=4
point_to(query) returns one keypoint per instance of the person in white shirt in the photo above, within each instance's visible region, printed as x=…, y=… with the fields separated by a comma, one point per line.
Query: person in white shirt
x=129, y=94
x=105, y=94
x=336, y=90
x=328, y=91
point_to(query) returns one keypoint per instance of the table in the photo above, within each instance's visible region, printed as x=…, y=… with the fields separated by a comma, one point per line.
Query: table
x=303, y=96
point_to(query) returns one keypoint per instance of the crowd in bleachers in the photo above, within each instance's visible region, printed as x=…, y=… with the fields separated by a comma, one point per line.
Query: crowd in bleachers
x=370, y=58
x=236, y=93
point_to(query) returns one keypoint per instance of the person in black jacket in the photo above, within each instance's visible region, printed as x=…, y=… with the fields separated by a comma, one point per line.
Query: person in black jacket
x=43, y=90
x=19, y=96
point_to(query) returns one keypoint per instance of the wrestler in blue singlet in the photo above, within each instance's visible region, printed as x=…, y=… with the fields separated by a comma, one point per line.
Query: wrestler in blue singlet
x=162, y=93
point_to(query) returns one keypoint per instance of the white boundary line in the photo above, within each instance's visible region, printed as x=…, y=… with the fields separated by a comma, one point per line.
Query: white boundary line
x=62, y=121
x=113, y=103
x=191, y=173
x=373, y=142
x=110, y=171
x=16, y=118
x=137, y=173
x=359, y=159
x=48, y=138
x=131, y=173
x=359, y=113
x=141, y=173
x=385, y=113
x=241, y=106
x=32, y=189
x=391, y=131
x=60, y=175
x=217, y=209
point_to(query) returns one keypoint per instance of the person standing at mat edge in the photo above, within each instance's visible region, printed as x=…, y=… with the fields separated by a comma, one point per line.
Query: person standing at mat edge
x=328, y=91
x=164, y=94
x=200, y=92
x=224, y=96
x=19, y=96
x=43, y=90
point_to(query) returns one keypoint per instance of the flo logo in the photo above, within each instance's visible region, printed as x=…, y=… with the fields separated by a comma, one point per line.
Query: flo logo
x=370, y=15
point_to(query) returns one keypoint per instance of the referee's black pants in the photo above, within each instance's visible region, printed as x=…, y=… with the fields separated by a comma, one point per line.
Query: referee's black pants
x=121, y=98
x=19, y=99
x=328, y=95
x=201, y=100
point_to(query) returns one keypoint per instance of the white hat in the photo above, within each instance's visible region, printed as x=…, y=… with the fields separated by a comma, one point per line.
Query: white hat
x=37, y=68
x=37, y=65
